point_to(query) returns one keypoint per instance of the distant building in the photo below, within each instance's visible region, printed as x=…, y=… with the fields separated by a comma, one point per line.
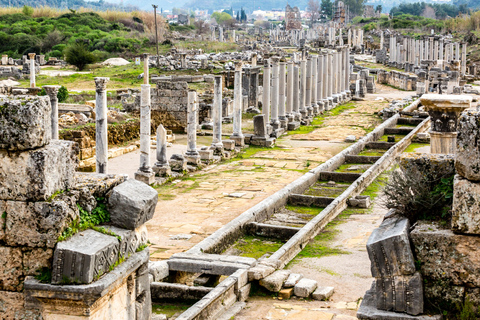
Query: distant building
x=293, y=18
x=369, y=12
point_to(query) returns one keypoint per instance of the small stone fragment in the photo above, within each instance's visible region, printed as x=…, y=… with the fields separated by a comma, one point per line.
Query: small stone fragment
x=305, y=287
x=292, y=280
x=274, y=282
x=285, y=293
x=323, y=293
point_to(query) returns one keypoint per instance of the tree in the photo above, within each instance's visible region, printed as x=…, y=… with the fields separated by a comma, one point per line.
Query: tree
x=355, y=6
x=238, y=16
x=28, y=11
x=78, y=55
x=379, y=8
x=221, y=17
x=327, y=8
x=313, y=7
x=243, y=15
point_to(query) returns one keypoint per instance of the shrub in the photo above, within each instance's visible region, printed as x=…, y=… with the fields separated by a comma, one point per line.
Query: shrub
x=62, y=94
x=78, y=55
x=28, y=11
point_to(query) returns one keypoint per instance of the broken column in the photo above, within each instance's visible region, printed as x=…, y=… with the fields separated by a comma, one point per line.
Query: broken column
x=32, y=70
x=237, y=135
x=161, y=166
x=217, y=114
x=444, y=111
x=101, y=125
x=52, y=92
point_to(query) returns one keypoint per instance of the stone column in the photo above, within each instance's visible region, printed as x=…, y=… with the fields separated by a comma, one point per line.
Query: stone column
x=254, y=59
x=213, y=38
x=463, y=69
x=457, y=51
x=296, y=92
x=183, y=60
x=313, y=103
x=192, y=156
x=381, y=40
x=444, y=110
x=161, y=167
x=237, y=135
x=281, y=96
x=52, y=92
x=32, y=70
x=303, y=87
x=335, y=77
x=217, y=113
x=308, y=86
x=342, y=73
x=146, y=76
x=101, y=129
x=220, y=34
x=289, y=91
x=329, y=81
x=440, y=57
x=266, y=91
x=275, y=82
x=347, y=73
x=320, y=82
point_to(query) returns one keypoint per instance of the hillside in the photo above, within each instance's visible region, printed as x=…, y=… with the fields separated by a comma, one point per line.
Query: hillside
x=72, y=4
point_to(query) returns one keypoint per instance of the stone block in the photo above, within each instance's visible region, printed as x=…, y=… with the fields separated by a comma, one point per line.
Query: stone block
x=178, y=163
x=466, y=206
x=84, y=257
x=158, y=269
x=131, y=204
x=206, y=154
x=359, y=201
x=431, y=166
x=244, y=292
x=228, y=144
x=11, y=269
x=25, y=123
x=400, y=294
x=259, y=272
x=467, y=161
x=130, y=240
x=389, y=249
x=36, y=224
x=323, y=293
x=446, y=257
x=12, y=306
x=305, y=287
x=285, y=293
x=294, y=125
x=292, y=280
x=274, y=282
x=37, y=174
x=36, y=259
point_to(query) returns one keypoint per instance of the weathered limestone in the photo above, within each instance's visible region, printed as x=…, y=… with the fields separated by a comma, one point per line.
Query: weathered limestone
x=323, y=293
x=37, y=174
x=158, y=269
x=275, y=93
x=281, y=96
x=266, y=90
x=101, y=129
x=237, y=135
x=32, y=70
x=131, y=204
x=305, y=287
x=161, y=167
x=466, y=206
x=192, y=155
x=145, y=172
x=467, y=161
x=296, y=93
x=274, y=282
x=444, y=111
x=84, y=257
x=290, y=79
x=303, y=88
x=308, y=88
x=292, y=280
x=217, y=113
x=52, y=92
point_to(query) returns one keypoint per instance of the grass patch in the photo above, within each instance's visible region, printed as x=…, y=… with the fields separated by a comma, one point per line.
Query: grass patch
x=255, y=247
x=414, y=146
x=322, y=189
x=346, y=167
x=170, y=309
x=398, y=137
x=372, y=152
x=304, y=210
x=376, y=186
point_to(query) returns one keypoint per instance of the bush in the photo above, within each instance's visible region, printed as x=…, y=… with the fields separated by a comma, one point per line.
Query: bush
x=62, y=94
x=78, y=55
x=28, y=11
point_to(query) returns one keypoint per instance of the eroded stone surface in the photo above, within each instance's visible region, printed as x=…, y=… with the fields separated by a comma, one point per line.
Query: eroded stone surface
x=305, y=287
x=11, y=269
x=274, y=282
x=12, y=307
x=37, y=224
x=466, y=206
x=467, y=160
x=158, y=269
x=131, y=204
x=37, y=174
x=400, y=294
x=292, y=280
x=25, y=123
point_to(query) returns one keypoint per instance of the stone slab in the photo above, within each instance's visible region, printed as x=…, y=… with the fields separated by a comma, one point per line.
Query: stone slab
x=274, y=282
x=131, y=204
x=162, y=291
x=292, y=280
x=36, y=175
x=323, y=293
x=158, y=269
x=197, y=266
x=25, y=122
x=389, y=249
x=305, y=287
x=259, y=272
x=467, y=161
x=285, y=293
x=84, y=257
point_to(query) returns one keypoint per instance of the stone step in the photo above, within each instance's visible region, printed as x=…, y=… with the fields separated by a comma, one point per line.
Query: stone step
x=381, y=145
x=199, y=266
x=361, y=159
x=339, y=176
x=306, y=200
x=248, y=262
x=404, y=131
x=410, y=121
x=161, y=291
x=271, y=231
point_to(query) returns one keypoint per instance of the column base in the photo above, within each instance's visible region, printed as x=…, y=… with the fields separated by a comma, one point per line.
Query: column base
x=275, y=124
x=146, y=177
x=162, y=170
x=321, y=106
x=294, y=125
x=192, y=158
x=283, y=123
x=290, y=117
x=310, y=111
x=239, y=140
x=304, y=114
x=228, y=145
x=336, y=98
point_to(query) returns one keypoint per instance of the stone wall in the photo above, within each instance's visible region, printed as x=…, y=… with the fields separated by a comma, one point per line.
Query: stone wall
x=292, y=18
x=169, y=103
x=397, y=79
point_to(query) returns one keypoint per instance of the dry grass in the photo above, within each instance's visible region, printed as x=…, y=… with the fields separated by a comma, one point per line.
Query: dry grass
x=465, y=22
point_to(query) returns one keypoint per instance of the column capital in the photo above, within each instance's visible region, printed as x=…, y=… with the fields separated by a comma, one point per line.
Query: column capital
x=31, y=56
x=238, y=66
x=275, y=60
x=101, y=83
x=51, y=91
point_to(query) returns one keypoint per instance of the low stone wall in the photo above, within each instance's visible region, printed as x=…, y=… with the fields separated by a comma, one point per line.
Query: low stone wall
x=398, y=79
